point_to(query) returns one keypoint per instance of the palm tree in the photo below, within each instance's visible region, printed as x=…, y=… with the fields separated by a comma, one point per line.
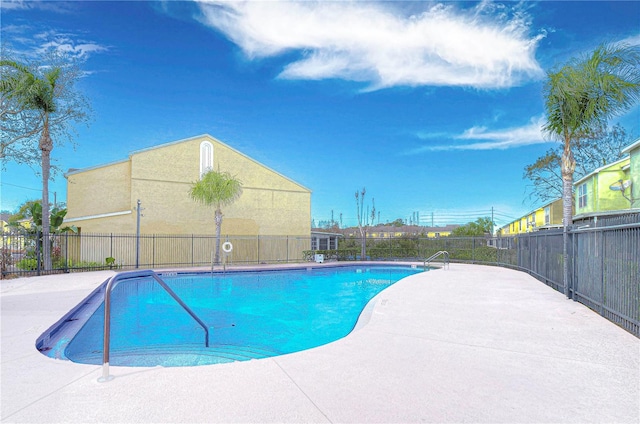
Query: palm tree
x=580, y=98
x=216, y=189
x=37, y=93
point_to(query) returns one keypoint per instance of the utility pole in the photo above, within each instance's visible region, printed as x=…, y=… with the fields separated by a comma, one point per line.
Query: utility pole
x=492, y=220
x=138, y=215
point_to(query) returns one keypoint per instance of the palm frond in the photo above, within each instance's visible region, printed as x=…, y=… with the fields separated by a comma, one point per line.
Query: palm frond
x=583, y=94
x=217, y=189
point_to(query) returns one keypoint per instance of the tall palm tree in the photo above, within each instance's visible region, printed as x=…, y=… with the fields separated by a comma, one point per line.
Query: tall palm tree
x=580, y=98
x=216, y=189
x=37, y=92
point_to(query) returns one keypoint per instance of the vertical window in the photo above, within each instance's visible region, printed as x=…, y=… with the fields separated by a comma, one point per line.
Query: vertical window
x=206, y=157
x=547, y=215
x=582, y=196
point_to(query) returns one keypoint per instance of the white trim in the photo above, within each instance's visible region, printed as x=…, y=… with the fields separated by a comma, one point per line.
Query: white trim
x=606, y=213
x=602, y=168
x=209, y=138
x=206, y=157
x=215, y=140
x=632, y=146
x=91, y=168
x=102, y=215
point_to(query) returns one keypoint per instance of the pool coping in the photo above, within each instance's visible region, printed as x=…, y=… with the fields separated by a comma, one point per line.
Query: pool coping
x=471, y=343
x=55, y=339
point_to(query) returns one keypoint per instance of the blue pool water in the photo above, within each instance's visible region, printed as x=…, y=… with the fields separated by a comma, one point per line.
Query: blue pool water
x=249, y=315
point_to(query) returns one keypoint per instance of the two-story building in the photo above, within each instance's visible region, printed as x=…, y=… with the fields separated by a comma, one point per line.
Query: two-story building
x=103, y=199
x=147, y=193
x=390, y=231
x=545, y=217
x=610, y=190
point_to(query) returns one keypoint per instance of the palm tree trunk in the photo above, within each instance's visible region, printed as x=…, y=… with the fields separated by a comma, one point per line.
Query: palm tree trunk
x=218, y=219
x=568, y=166
x=362, y=243
x=45, y=147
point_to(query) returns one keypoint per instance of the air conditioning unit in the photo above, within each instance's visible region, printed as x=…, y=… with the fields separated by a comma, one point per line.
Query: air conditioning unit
x=319, y=258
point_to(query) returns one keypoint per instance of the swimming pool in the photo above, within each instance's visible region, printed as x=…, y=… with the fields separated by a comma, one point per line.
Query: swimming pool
x=249, y=315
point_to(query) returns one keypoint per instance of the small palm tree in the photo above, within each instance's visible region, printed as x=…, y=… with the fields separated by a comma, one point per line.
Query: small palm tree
x=216, y=189
x=36, y=92
x=580, y=98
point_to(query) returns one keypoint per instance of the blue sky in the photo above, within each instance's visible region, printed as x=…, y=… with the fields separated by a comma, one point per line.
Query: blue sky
x=434, y=107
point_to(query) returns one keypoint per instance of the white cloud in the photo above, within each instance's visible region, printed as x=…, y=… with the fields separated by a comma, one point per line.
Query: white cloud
x=486, y=139
x=35, y=45
x=488, y=46
x=53, y=6
x=14, y=5
x=67, y=43
x=633, y=40
x=80, y=49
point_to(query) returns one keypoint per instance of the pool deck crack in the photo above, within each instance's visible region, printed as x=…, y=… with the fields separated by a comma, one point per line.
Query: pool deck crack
x=303, y=392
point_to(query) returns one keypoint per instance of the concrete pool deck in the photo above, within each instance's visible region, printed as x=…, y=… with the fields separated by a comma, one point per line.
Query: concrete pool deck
x=468, y=344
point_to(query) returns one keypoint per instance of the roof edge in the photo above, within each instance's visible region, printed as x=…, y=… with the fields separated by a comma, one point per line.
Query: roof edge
x=72, y=171
x=598, y=170
x=212, y=138
x=631, y=146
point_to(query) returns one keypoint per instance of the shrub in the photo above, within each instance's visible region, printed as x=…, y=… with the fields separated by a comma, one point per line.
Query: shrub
x=28, y=264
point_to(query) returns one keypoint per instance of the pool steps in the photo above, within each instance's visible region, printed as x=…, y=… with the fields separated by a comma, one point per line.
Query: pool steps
x=170, y=356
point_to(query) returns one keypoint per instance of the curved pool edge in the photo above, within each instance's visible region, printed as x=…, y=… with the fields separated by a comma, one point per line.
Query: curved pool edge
x=370, y=307
x=63, y=330
x=52, y=343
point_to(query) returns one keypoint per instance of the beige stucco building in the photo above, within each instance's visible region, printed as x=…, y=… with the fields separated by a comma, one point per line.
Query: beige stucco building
x=103, y=199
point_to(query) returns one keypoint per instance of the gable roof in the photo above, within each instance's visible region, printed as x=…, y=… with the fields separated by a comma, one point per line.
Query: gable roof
x=597, y=170
x=171, y=143
x=632, y=146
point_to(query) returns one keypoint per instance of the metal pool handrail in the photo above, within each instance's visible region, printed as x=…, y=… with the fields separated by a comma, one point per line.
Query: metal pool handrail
x=444, y=254
x=107, y=312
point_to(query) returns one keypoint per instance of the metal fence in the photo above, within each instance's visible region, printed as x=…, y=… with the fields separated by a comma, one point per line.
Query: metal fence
x=79, y=252
x=604, y=257
x=604, y=265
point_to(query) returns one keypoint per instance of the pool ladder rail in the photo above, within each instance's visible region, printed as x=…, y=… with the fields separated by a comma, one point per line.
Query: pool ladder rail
x=127, y=275
x=445, y=256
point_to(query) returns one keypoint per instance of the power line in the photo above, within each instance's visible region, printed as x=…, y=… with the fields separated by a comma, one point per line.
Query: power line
x=25, y=188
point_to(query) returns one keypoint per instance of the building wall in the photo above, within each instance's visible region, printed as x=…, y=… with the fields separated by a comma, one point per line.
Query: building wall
x=556, y=212
x=534, y=220
x=600, y=197
x=103, y=199
x=394, y=232
x=100, y=190
x=634, y=175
